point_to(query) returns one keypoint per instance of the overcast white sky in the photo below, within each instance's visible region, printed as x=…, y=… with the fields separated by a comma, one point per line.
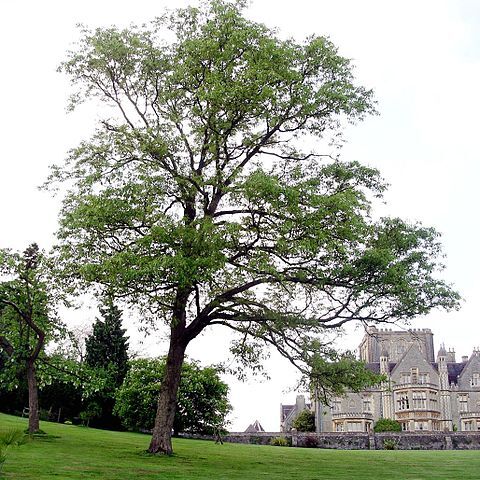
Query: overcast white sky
x=422, y=58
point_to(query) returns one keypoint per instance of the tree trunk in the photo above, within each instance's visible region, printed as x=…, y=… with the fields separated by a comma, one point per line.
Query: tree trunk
x=33, y=419
x=167, y=400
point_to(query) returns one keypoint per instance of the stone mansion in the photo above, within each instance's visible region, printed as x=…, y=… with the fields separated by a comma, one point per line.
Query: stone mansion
x=421, y=392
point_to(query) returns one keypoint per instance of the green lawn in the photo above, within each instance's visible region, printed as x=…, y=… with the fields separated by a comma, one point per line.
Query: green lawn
x=70, y=452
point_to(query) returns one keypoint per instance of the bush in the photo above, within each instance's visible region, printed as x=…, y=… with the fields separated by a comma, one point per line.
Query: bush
x=93, y=410
x=304, y=421
x=279, y=442
x=389, y=444
x=387, y=425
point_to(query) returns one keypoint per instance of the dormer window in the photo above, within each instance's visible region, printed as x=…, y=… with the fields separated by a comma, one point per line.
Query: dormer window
x=367, y=404
x=414, y=373
x=423, y=378
x=475, y=381
x=463, y=402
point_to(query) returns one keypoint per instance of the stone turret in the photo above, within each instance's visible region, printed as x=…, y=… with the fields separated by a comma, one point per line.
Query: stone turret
x=387, y=400
x=445, y=402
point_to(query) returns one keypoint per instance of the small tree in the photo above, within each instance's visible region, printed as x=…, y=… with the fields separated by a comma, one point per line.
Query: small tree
x=305, y=421
x=202, y=404
x=27, y=318
x=387, y=425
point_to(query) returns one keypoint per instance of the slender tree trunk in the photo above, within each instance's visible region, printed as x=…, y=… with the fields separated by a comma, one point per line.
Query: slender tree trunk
x=167, y=400
x=33, y=419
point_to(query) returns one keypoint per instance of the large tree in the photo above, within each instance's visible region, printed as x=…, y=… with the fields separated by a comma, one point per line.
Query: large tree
x=204, y=203
x=27, y=319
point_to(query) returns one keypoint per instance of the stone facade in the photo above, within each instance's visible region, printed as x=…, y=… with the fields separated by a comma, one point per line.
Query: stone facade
x=422, y=392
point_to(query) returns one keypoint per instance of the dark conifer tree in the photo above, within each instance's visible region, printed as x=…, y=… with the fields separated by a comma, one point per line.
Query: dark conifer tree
x=107, y=349
x=107, y=346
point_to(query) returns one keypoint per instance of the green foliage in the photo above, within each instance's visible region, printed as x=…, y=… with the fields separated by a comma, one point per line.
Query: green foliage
x=279, y=442
x=304, y=421
x=387, y=425
x=202, y=403
x=389, y=444
x=92, y=410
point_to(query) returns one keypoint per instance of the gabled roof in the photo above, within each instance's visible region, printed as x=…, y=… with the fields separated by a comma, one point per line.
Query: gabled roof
x=415, y=352
x=471, y=362
x=255, y=427
x=287, y=410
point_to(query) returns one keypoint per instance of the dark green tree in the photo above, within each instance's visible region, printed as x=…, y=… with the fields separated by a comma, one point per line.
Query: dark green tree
x=202, y=402
x=27, y=320
x=107, y=346
x=202, y=204
x=387, y=425
x=106, y=350
x=304, y=421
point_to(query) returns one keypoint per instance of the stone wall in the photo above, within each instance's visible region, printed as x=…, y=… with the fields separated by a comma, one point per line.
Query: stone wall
x=360, y=441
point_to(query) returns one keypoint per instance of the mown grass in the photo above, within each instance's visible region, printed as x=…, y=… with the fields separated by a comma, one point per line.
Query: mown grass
x=70, y=452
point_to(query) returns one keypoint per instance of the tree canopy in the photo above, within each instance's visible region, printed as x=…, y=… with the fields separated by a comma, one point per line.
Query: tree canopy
x=201, y=203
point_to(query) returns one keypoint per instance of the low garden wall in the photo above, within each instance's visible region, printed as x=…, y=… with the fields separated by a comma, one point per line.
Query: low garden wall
x=360, y=441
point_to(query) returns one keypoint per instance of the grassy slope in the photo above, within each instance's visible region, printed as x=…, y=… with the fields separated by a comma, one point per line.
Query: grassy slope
x=82, y=453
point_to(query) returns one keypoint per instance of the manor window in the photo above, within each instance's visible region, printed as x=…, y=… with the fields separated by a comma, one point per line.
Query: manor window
x=354, y=427
x=405, y=378
x=468, y=426
x=402, y=402
x=414, y=375
x=475, y=380
x=339, y=427
x=433, y=400
x=419, y=400
x=367, y=404
x=463, y=403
